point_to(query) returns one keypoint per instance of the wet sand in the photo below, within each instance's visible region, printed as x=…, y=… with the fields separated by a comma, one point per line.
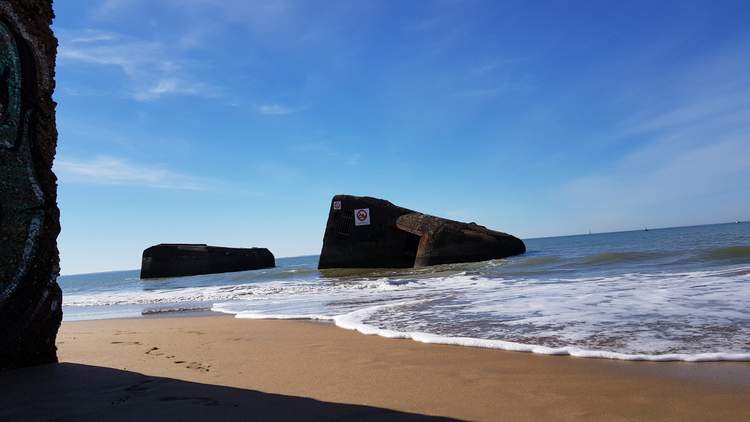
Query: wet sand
x=221, y=368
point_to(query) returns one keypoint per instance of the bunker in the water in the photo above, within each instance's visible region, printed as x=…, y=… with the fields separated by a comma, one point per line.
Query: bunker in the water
x=365, y=232
x=177, y=259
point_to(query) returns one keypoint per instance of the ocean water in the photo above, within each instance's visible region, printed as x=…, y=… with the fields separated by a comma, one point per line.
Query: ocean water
x=663, y=294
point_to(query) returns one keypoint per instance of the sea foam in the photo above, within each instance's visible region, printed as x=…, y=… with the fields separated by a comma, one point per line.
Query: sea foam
x=689, y=316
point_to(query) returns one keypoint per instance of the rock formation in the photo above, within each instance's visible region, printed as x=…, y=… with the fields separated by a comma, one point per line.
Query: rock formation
x=364, y=232
x=175, y=260
x=30, y=299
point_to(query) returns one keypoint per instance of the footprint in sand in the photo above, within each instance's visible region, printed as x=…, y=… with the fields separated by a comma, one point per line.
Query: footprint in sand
x=153, y=351
x=198, y=366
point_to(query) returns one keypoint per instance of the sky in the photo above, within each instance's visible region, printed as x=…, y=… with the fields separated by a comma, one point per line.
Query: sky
x=234, y=122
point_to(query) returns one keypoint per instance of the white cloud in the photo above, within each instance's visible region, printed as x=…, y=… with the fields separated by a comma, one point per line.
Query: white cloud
x=478, y=93
x=501, y=86
x=425, y=24
x=712, y=112
x=692, y=173
x=115, y=171
x=276, y=110
x=261, y=16
x=278, y=172
x=687, y=158
x=659, y=174
x=92, y=36
x=327, y=152
x=497, y=64
x=109, y=8
x=151, y=71
x=174, y=86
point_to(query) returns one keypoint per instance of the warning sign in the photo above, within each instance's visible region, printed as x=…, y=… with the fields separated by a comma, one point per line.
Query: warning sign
x=337, y=205
x=362, y=217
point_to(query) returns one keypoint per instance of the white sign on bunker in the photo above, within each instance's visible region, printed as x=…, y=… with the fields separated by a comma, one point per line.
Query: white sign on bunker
x=362, y=217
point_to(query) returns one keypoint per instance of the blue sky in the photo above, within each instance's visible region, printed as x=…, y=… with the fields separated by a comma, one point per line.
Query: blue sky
x=233, y=122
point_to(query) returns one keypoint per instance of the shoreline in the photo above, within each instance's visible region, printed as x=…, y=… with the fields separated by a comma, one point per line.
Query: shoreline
x=343, y=322
x=309, y=360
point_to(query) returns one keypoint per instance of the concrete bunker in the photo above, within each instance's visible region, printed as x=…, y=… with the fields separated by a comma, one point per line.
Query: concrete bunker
x=184, y=259
x=366, y=232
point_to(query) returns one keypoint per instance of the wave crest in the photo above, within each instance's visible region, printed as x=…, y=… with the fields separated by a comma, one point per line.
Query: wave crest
x=728, y=252
x=618, y=257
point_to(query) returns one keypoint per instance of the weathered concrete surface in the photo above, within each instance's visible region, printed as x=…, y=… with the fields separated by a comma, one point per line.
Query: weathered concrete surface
x=175, y=260
x=446, y=241
x=30, y=299
x=365, y=232
x=378, y=245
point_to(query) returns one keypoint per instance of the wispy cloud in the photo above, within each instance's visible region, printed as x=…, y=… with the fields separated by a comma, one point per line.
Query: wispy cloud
x=688, y=157
x=262, y=16
x=479, y=93
x=325, y=150
x=494, y=65
x=92, y=36
x=276, y=110
x=499, y=86
x=646, y=186
x=424, y=24
x=116, y=171
x=109, y=8
x=174, y=86
x=151, y=70
x=278, y=171
x=715, y=111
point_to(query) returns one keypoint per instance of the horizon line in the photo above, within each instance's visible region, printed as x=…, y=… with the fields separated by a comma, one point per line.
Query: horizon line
x=528, y=238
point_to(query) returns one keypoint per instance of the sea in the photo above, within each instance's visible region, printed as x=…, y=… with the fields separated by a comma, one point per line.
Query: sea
x=657, y=295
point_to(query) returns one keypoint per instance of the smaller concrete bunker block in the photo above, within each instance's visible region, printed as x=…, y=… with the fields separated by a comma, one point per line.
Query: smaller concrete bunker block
x=180, y=259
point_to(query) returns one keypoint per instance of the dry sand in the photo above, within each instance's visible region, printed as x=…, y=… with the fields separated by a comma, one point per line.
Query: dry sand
x=220, y=368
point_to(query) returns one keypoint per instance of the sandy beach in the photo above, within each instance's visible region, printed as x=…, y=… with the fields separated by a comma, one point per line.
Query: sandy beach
x=222, y=368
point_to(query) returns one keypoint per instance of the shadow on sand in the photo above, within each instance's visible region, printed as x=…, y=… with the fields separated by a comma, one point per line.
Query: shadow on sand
x=74, y=392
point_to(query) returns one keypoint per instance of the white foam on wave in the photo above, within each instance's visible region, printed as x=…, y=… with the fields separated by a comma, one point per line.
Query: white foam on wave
x=647, y=317
x=174, y=310
x=354, y=321
x=225, y=293
x=226, y=308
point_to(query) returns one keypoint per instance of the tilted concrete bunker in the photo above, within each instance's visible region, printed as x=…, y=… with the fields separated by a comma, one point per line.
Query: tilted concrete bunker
x=365, y=232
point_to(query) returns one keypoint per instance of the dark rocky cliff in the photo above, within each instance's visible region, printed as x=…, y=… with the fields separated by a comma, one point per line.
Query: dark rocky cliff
x=30, y=299
x=364, y=232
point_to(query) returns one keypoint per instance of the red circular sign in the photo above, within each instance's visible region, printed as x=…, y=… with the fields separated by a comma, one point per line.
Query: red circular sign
x=361, y=215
